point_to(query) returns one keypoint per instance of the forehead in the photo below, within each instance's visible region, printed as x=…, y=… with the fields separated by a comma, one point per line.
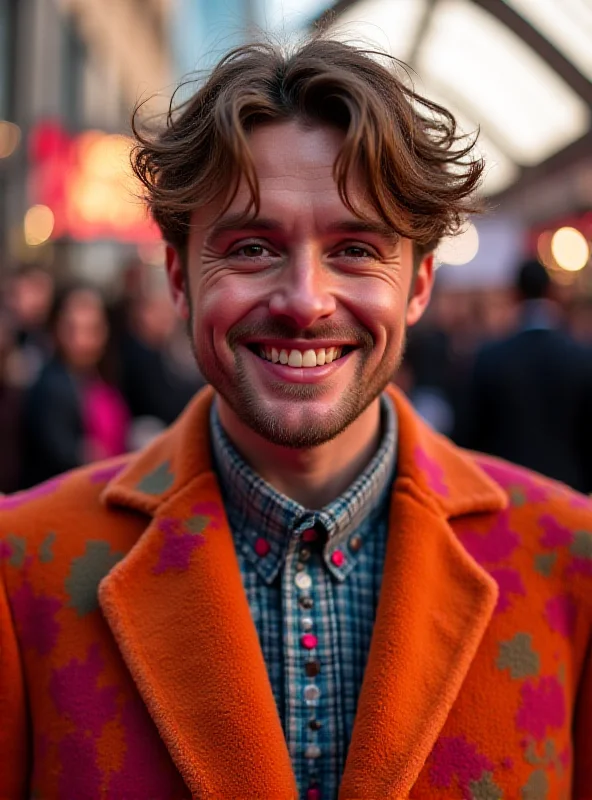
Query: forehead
x=294, y=164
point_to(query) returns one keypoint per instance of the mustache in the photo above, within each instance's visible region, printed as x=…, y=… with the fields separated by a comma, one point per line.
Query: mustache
x=276, y=329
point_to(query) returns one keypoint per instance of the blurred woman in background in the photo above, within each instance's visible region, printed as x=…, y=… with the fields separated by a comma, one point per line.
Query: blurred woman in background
x=74, y=413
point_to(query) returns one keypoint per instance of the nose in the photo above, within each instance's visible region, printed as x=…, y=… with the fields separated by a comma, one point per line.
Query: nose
x=303, y=294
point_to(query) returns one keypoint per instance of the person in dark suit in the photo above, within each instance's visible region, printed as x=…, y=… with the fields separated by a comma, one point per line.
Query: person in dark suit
x=530, y=395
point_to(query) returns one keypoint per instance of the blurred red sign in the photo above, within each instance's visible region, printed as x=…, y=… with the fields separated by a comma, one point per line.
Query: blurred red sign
x=87, y=181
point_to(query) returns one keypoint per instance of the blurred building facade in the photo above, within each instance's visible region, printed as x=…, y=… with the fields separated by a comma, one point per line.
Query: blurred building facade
x=69, y=67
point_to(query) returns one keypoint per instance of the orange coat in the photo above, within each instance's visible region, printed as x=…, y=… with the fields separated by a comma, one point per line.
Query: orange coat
x=131, y=668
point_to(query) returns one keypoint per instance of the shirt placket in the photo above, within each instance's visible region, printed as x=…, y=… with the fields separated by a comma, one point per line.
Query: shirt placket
x=307, y=633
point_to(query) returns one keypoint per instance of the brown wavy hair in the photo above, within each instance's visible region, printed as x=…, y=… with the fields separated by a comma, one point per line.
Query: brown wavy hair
x=421, y=172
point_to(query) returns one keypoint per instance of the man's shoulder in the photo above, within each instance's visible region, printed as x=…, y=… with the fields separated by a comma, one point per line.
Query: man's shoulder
x=526, y=488
x=68, y=502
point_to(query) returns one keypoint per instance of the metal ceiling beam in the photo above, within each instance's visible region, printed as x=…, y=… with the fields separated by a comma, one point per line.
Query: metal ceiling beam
x=423, y=26
x=521, y=27
x=541, y=45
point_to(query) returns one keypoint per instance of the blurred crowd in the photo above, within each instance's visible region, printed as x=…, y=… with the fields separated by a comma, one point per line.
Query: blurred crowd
x=507, y=372
x=82, y=378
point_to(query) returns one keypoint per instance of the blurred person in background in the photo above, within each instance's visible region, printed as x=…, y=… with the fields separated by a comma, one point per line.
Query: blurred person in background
x=580, y=320
x=529, y=397
x=74, y=414
x=158, y=372
x=11, y=397
x=29, y=297
x=438, y=356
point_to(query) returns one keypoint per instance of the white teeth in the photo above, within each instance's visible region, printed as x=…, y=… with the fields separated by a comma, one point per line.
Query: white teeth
x=309, y=358
x=298, y=358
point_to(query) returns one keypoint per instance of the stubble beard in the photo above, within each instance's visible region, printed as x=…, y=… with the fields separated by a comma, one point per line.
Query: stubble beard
x=241, y=397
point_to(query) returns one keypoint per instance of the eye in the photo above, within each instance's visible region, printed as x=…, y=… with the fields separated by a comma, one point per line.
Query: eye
x=252, y=250
x=355, y=251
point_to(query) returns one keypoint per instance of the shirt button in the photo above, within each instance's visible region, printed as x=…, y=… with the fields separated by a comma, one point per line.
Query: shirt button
x=262, y=547
x=312, y=751
x=314, y=793
x=311, y=694
x=315, y=725
x=300, y=566
x=355, y=543
x=337, y=558
x=309, y=535
x=303, y=580
x=312, y=668
x=304, y=554
x=306, y=602
x=309, y=641
x=306, y=623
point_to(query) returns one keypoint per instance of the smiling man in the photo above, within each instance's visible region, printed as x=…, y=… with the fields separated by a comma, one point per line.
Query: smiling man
x=299, y=590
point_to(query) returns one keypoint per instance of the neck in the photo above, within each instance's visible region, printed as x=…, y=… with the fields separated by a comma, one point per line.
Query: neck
x=313, y=477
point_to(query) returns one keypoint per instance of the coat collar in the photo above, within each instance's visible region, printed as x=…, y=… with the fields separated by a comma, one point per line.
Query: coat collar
x=179, y=614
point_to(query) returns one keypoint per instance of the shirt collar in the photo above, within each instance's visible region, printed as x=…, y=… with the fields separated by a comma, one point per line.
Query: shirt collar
x=260, y=514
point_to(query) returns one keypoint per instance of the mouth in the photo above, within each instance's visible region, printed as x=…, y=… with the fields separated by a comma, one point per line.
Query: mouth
x=300, y=358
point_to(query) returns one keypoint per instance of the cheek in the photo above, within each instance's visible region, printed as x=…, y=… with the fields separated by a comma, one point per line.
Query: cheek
x=216, y=309
x=380, y=307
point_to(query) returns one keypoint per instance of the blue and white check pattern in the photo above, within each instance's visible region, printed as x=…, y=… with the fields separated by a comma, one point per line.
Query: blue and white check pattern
x=344, y=598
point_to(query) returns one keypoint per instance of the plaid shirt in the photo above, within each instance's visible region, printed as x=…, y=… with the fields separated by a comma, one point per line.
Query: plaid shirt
x=312, y=580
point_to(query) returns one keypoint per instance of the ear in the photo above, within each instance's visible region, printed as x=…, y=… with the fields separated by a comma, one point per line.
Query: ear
x=177, y=277
x=421, y=290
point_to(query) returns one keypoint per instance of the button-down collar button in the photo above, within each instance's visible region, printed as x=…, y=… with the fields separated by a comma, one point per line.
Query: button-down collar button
x=337, y=558
x=355, y=543
x=309, y=641
x=312, y=751
x=309, y=535
x=303, y=581
x=262, y=547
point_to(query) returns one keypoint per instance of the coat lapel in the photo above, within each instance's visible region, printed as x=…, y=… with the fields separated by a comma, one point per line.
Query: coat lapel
x=435, y=605
x=179, y=614
x=180, y=617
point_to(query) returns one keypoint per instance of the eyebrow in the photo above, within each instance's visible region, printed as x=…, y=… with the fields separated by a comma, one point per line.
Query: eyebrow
x=238, y=221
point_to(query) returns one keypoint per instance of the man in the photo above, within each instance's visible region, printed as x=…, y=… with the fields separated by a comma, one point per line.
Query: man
x=530, y=394
x=299, y=590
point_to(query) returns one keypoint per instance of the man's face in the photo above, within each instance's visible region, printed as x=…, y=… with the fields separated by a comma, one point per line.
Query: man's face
x=297, y=317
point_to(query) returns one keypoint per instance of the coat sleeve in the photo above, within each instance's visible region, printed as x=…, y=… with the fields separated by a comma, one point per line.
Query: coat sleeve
x=582, y=786
x=13, y=715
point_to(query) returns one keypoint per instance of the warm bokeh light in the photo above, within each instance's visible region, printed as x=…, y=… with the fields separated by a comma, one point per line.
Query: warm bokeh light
x=38, y=224
x=459, y=249
x=10, y=136
x=570, y=249
x=544, y=250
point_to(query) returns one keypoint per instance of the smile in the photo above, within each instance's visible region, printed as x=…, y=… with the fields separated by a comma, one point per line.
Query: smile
x=301, y=358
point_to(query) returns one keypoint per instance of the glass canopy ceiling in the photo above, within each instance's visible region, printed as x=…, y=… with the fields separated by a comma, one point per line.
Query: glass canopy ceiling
x=468, y=59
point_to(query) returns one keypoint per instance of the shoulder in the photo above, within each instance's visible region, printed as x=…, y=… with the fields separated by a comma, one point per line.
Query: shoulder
x=69, y=504
x=545, y=530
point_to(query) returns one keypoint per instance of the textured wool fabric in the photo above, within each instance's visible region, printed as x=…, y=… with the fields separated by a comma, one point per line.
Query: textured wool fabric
x=131, y=667
x=342, y=598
